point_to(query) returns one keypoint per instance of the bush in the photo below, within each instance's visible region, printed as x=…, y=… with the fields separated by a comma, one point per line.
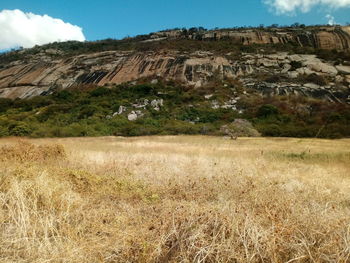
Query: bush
x=100, y=91
x=266, y=111
x=64, y=95
x=87, y=111
x=295, y=65
x=269, y=130
x=175, y=127
x=5, y=104
x=240, y=128
x=316, y=79
x=19, y=129
x=53, y=110
x=4, y=132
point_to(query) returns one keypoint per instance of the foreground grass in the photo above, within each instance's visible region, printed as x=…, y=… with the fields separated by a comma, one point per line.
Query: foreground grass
x=174, y=199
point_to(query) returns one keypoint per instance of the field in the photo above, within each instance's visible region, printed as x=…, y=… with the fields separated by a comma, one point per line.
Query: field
x=174, y=199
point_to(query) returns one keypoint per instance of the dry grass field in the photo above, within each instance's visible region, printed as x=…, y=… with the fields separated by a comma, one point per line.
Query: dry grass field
x=174, y=199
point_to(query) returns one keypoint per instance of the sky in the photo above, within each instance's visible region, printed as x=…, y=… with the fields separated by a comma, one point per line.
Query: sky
x=29, y=22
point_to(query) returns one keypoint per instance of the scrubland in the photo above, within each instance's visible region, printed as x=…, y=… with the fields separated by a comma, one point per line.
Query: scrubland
x=174, y=199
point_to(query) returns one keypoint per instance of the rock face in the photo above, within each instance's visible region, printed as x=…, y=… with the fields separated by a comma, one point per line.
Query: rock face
x=48, y=71
x=27, y=79
x=23, y=80
x=326, y=37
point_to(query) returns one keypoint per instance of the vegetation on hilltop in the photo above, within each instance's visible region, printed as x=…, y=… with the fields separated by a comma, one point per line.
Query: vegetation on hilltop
x=181, y=42
x=91, y=111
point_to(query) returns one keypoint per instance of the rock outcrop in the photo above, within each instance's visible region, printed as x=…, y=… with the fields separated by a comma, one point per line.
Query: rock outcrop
x=324, y=37
x=20, y=79
x=43, y=73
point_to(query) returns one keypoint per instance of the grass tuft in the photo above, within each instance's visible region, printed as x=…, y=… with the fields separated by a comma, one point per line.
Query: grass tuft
x=24, y=151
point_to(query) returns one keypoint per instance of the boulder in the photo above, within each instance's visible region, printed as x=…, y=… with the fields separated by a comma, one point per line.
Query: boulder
x=198, y=84
x=296, y=58
x=339, y=78
x=215, y=104
x=311, y=86
x=323, y=68
x=305, y=71
x=343, y=69
x=156, y=104
x=139, y=113
x=286, y=68
x=239, y=128
x=132, y=116
x=121, y=109
x=231, y=104
x=293, y=74
x=141, y=103
x=267, y=63
x=347, y=79
x=207, y=97
x=279, y=56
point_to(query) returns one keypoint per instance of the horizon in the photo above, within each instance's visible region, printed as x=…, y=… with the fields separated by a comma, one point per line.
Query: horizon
x=38, y=22
x=2, y=51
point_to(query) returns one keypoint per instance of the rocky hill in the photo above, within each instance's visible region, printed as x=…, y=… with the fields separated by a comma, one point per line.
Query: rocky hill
x=266, y=61
x=286, y=82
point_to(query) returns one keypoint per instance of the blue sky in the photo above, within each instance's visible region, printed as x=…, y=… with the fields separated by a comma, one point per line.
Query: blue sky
x=119, y=18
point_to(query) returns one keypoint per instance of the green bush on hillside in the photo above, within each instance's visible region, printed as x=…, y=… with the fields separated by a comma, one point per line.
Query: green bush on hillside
x=90, y=112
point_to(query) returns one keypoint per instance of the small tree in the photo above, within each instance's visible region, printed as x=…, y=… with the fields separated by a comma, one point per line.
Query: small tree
x=267, y=110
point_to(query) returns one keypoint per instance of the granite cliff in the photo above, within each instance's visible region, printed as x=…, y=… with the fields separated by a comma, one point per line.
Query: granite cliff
x=50, y=69
x=324, y=37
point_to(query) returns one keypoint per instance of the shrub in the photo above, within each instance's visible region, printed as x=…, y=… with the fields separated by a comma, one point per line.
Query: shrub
x=87, y=111
x=3, y=131
x=316, y=79
x=53, y=110
x=84, y=113
x=5, y=104
x=100, y=91
x=37, y=102
x=295, y=65
x=76, y=130
x=269, y=130
x=267, y=111
x=275, y=78
x=64, y=95
x=19, y=129
x=175, y=127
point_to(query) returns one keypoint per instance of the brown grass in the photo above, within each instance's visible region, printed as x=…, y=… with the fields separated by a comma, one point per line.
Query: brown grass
x=174, y=199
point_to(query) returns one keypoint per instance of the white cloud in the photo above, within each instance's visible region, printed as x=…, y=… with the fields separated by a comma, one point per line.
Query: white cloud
x=331, y=20
x=27, y=29
x=291, y=6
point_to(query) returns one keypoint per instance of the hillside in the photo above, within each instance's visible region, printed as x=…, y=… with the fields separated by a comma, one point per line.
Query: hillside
x=291, y=81
x=189, y=56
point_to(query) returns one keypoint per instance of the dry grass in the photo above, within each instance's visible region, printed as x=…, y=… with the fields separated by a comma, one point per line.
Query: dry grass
x=174, y=199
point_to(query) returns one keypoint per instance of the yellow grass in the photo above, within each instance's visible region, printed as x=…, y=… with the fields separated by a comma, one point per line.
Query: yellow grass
x=174, y=199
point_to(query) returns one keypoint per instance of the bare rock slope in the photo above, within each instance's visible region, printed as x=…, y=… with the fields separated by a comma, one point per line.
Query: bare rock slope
x=43, y=73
